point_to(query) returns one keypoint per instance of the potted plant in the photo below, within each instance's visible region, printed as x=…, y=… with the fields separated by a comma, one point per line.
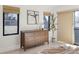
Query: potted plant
x=53, y=26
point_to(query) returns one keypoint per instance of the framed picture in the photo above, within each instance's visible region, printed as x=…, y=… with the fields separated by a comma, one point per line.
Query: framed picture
x=10, y=23
x=32, y=17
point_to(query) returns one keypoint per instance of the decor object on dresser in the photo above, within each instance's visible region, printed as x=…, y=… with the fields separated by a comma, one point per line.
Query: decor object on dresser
x=32, y=17
x=10, y=20
x=33, y=38
x=53, y=26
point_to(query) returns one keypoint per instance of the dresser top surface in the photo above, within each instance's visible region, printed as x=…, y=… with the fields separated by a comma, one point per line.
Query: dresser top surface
x=33, y=30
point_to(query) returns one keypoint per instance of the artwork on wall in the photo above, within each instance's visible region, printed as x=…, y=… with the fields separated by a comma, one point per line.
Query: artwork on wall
x=32, y=17
x=10, y=24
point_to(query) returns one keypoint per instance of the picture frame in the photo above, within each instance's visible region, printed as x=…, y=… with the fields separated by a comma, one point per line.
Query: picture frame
x=10, y=23
x=32, y=17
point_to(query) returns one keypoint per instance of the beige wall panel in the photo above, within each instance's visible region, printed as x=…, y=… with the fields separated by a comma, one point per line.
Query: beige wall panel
x=65, y=27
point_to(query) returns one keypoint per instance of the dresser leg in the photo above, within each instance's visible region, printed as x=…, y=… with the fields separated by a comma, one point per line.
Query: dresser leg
x=21, y=45
x=24, y=49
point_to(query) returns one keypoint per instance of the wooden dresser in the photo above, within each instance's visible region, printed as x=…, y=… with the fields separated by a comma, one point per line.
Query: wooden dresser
x=33, y=38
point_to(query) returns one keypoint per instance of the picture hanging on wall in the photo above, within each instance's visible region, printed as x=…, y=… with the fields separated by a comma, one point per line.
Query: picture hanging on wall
x=32, y=17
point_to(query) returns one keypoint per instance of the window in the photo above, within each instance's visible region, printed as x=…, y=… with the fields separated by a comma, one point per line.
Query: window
x=76, y=19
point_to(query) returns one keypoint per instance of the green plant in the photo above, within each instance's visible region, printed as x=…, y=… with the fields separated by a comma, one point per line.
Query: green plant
x=52, y=23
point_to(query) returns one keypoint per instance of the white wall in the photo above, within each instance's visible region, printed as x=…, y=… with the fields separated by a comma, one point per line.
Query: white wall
x=13, y=42
x=65, y=8
x=23, y=20
x=6, y=42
